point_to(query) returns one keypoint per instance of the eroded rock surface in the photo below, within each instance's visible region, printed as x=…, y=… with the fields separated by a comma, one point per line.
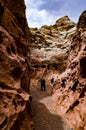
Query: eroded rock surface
x=70, y=96
x=15, y=100
x=50, y=49
x=13, y=17
x=52, y=43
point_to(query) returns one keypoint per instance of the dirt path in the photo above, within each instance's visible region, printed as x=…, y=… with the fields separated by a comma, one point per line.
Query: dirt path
x=44, y=117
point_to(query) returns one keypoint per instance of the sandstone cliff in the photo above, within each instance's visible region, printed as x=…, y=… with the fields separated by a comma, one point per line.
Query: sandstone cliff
x=70, y=95
x=14, y=67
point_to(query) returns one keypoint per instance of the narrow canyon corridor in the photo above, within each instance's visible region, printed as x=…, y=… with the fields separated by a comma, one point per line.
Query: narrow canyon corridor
x=44, y=117
x=33, y=56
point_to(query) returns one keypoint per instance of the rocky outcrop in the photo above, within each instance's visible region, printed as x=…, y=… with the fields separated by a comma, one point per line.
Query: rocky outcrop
x=52, y=42
x=50, y=48
x=70, y=86
x=15, y=100
x=13, y=18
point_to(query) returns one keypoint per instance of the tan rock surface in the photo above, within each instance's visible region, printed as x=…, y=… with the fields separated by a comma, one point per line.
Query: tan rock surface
x=50, y=49
x=52, y=42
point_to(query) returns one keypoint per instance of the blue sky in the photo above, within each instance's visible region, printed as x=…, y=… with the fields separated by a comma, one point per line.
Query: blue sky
x=46, y=12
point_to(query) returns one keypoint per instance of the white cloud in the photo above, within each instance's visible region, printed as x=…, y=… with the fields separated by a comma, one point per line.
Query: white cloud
x=33, y=3
x=36, y=17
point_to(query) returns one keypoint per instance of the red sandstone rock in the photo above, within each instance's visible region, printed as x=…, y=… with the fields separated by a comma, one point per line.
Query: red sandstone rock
x=15, y=100
x=70, y=101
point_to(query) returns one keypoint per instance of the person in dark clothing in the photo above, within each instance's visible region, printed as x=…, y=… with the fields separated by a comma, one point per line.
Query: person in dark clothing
x=52, y=83
x=43, y=84
x=52, y=80
x=63, y=82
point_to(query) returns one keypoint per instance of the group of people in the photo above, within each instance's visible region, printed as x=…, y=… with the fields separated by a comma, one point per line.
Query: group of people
x=43, y=84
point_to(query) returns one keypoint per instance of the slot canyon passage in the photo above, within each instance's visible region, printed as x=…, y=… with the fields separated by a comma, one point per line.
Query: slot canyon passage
x=28, y=55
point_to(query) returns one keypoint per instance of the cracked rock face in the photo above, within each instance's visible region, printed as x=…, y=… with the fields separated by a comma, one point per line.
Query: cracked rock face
x=70, y=96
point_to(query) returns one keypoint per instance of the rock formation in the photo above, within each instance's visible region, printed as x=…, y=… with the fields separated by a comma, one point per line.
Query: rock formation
x=50, y=47
x=15, y=100
x=70, y=99
x=13, y=17
x=35, y=53
x=60, y=49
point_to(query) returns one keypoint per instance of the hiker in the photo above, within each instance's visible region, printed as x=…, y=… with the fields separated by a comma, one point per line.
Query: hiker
x=43, y=84
x=52, y=83
x=28, y=106
x=63, y=82
x=52, y=80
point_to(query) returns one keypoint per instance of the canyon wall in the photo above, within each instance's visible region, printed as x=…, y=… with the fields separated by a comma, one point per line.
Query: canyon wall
x=15, y=99
x=70, y=95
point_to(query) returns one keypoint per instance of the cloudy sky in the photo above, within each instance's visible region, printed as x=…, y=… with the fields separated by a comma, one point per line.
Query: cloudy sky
x=46, y=12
